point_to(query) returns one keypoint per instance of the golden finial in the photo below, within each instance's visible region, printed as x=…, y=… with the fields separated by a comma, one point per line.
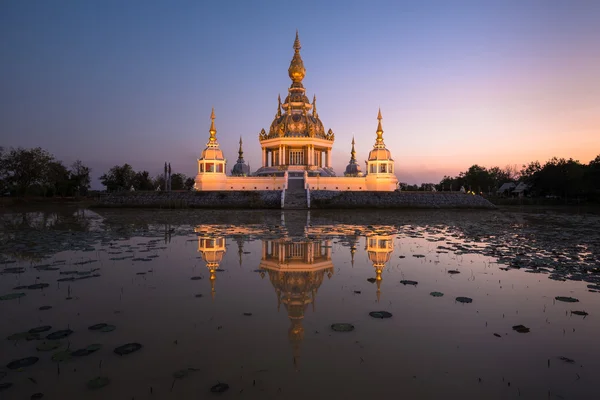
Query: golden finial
x=314, y=105
x=278, y=106
x=296, y=70
x=213, y=277
x=297, y=46
x=213, y=130
x=379, y=129
x=240, y=151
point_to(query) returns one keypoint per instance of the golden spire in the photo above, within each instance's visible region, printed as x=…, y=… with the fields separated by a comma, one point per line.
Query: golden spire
x=314, y=105
x=378, y=278
x=212, y=130
x=296, y=70
x=353, y=152
x=379, y=139
x=278, y=106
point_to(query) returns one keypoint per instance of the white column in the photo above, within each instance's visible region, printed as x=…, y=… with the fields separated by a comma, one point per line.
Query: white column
x=280, y=155
x=264, y=157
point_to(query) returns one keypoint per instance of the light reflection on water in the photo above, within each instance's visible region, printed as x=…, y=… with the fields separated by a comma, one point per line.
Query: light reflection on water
x=295, y=276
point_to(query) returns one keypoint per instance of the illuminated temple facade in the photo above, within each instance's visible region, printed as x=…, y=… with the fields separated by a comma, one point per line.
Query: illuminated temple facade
x=296, y=151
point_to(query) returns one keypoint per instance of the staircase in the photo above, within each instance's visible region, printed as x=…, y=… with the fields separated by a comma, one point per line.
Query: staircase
x=295, y=199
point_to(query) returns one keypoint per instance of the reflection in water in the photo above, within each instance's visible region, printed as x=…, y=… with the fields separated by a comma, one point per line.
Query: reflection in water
x=212, y=249
x=446, y=349
x=379, y=249
x=296, y=270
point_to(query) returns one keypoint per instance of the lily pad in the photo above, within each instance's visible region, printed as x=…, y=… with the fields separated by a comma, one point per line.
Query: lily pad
x=36, y=396
x=195, y=278
x=436, y=294
x=40, y=329
x=380, y=314
x=48, y=345
x=98, y=382
x=44, y=308
x=59, y=334
x=407, y=282
x=219, y=388
x=127, y=348
x=371, y=280
x=566, y=359
x=342, y=327
x=567, y=299
x=464, y=299
x=453, y=271
x=87, y=351
x=581, y=313
x=12, y=296
x=108, y=328
x=38, y=286
x=521, y=329
x=61, y=356
x=97, y=327
x=23, y=336
x=22, y=363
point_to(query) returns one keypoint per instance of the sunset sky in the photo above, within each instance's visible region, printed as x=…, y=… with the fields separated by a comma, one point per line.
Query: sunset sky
x=458, y=82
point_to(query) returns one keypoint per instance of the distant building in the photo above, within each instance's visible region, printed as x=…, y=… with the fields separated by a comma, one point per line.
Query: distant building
x=296, y=151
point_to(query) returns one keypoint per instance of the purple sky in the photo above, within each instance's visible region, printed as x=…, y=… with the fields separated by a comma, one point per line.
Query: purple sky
x=458, y=82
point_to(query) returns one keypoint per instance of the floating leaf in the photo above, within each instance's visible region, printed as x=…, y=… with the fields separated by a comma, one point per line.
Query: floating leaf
x=40, y=329
x=97, y=327
x=406, y=282
x=453, y=271
x=108, y=328
x=48, y=345
x=248, y=314
x=581, y=313
x=436, y=294
x=464, y=299
x=380, y=314
x=521, y=329
x=342, y=327
x=22, y=363
x=98, y=382
x=44, y=308
x=371, y=280
x=127, y=348
x=12, y=296
x=497, y=335
x=38, y=286
x=59, y=334
x=181, y=374
x=418, y=255
x=219, y=388
x=36, y=396
x=196, y=278
x=24, y=336
x=567, y=299
x=87, y=351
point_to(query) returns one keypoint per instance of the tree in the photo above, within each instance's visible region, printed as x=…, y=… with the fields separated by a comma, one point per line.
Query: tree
x=189, y=183
x=24, y=167
x=56, y=179
x=142, y=181
x=178, y=181
x=80, y=178
x=118, y=178
x=159, y=182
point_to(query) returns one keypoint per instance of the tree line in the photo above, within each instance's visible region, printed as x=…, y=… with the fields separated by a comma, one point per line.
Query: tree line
x=558, y=177
x=37, y=172
x=123, y=177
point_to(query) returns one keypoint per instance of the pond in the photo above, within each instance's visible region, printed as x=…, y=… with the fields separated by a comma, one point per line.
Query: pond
x=148, y=304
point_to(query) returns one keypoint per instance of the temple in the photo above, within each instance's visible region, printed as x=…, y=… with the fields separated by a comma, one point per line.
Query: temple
x=296, y=151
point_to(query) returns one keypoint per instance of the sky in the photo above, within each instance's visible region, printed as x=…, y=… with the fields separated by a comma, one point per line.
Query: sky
x=493, y=83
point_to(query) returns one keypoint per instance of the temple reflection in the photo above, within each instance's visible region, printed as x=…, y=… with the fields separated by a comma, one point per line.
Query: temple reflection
x=296, y=258
x=212, y=249
x=379, y=250
x=296, y=270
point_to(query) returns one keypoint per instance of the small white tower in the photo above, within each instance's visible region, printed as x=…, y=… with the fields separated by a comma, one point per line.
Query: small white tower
x=212, y=163
x=380, y=165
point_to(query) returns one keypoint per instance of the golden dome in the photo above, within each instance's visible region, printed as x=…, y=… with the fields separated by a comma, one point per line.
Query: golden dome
x=379, y=152
x=212, y=150
x=293, y=117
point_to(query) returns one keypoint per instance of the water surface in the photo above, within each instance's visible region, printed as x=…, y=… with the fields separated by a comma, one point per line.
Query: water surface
x=248, y=298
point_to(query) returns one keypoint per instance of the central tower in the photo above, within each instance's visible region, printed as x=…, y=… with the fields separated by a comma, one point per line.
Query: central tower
x=296, y=141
